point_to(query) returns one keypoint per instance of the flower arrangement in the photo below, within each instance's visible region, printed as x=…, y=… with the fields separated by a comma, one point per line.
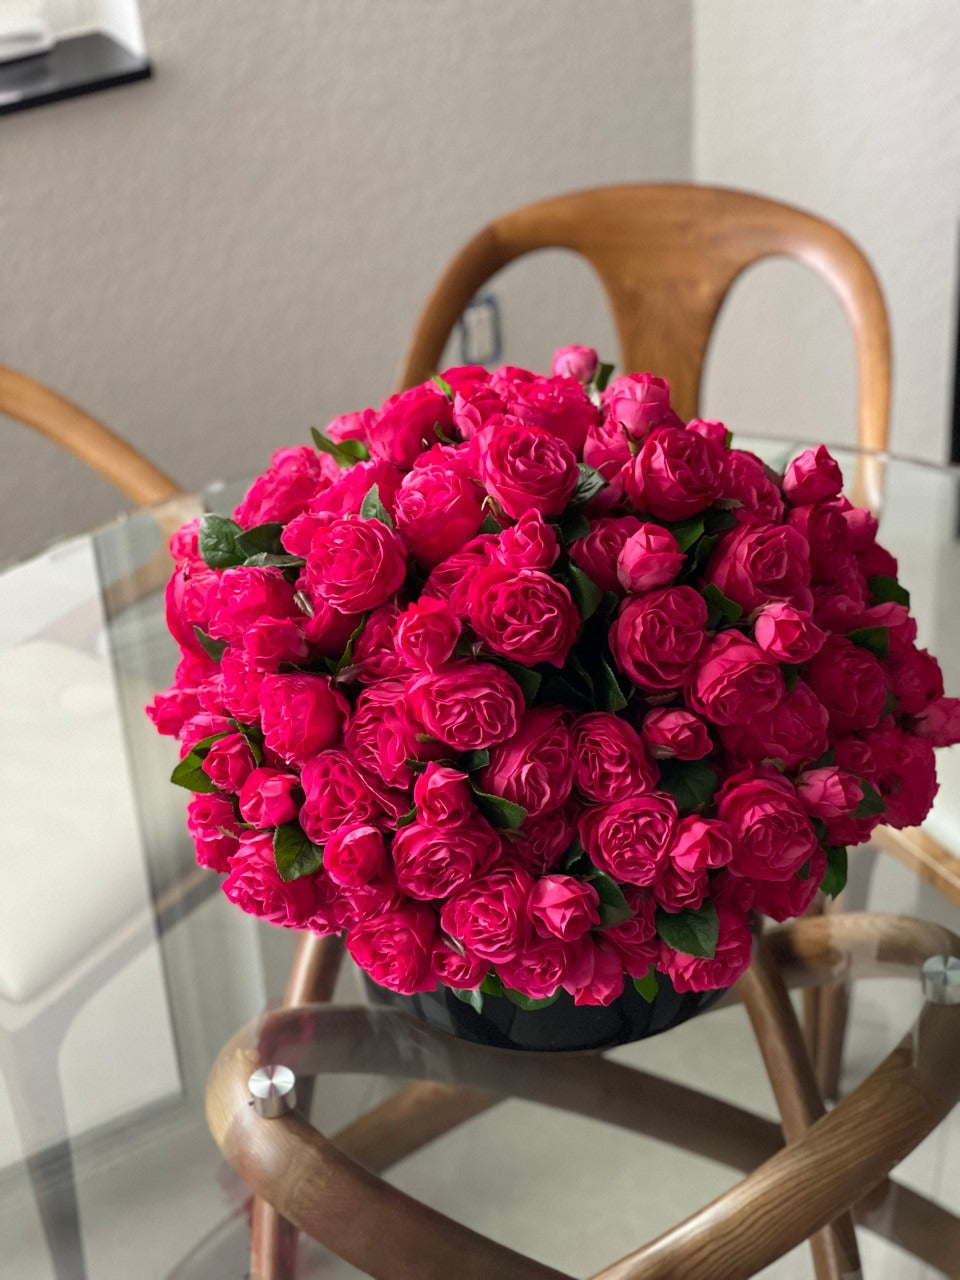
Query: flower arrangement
x=528, y=686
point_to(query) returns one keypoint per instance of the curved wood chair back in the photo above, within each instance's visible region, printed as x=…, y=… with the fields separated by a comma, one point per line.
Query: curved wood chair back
x=667, y=256
x=37, y=406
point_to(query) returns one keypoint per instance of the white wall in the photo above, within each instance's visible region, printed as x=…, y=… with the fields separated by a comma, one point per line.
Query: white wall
x=853, y=111
x=217, y=259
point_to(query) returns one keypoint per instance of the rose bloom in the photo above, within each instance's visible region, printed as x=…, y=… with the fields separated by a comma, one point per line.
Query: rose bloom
x=749, y=482
x=244, y=595
x=351, y=426
x=228, y=762
x=564, y=907
x=270, y=641
x=673, y=733
x=406, y=425
x=268, y=797
x=375, y=655
x=735, y=681
x=204, y=725
x=287, y=487
x=680, y=888
x=532, y=768
x=427, y=633
x=396, y=948
x=850, y=683
x=757, y=563
x=237, y=687
x=437, y=511
x=451, y=579
x=906, y=775
x=328, y=630
x=812, y=476
x=784, y=899
x=529, y=544
x=575, y=362
x=787, y=634
x=523, y=613
x=343, y=498
x=676, y=474
x=636, y=939
x=732, y=956
x=656, y=638
x=542, y=840
x=638, y=402
x=255, y=885
x=825, y=530
x=300, y=714
x=598, y=552
x=355, y=856
x=609, y=761
x=701, y=844
x=649, y=558
x=442, y=797
x=467, y=705
x=337, y=795
x=491, y=916
x=356, y=564
x=213, y=826
x=829, y=792
x=939, y=722
x=524, y=467
x=598, y=977
x=772, y=835
x=474, y=402
x=457, y=968
x=436, y=861
x=629, y=839
x=186, y=602
x=542, y=967
x=794, y=731
x=385, y=732
x=915, y=678
x=557, y=405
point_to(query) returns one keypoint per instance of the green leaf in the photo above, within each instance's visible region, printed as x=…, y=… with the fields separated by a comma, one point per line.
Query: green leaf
x=213, y=648
x=609, y=692
x=588, y=486
x=189, y=773
x=804, y=872
x=491, y=985
x=687, y=532
x=871, y=802
x=647, y=987
x=889, y=704
x=371, y=508
x=575, y=861
x=416, y=766
x=281, y=559
x=526, y=677
x=295, y=853
x=218, y=542
x=346, y=658
x=473, y=998
x=791, y=674
x=828, y=758
x=471, y=761
x=601, y=377
x=262, y=537
x=876, y=639
x=442, y=436
x=690, y=782
x=205, y=744
x=252, y=737
x=574, y=526
x=719, y=607
x=884, y=590
x=585, y=592
x=491, y=525
x=695, y=933
x=344, y=452
x=447, y=390
x=498, y=811
x=524, y=1002
x=701, y=553
x=835, y=877
x=407, y=818
x=614, y=908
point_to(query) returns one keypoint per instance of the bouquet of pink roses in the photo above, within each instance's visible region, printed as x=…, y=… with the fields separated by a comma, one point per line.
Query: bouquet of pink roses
x=526, y=685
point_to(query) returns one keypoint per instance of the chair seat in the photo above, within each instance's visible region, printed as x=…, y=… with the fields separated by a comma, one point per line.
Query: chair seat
x=71, y=848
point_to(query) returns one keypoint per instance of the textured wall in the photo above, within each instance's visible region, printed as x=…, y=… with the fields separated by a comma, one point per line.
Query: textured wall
x=851, y=110
x=218, y=259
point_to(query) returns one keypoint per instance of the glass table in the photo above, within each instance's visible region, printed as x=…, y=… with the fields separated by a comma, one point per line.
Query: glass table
x=123, y=971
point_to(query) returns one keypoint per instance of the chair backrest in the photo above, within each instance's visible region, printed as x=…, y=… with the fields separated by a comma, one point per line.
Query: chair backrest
x=667, y=256
x=37, y=406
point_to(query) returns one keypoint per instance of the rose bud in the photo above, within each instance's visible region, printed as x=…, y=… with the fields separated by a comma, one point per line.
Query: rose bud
x=229, y=762
x=701, y=844
x=671, y=732
x=829, y=792
x=427, y=633
x=812, y=476
x=356, y=856
x=267, y=798
x=574, y=362
x=529, y=544
x=649, y=558
x=787, y=634
x=301, y=714
x=213, y=826
x=638, y=402
x=735, y=681
x=564, y=907
x=601, y=981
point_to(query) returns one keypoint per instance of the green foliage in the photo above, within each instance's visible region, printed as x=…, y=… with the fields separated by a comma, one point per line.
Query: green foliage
x=524, y=1002
x=876, y=639
x=344, y=452
x=647, y=987
x=588, y=485
x=212, y=648
x=690, y=782
x=614, y=908
x=836, y=873
x=217, y=542
x=189, y=774
x=884, y=590
x=695, y=933
x=720, y=608
x=371, y=508
x=585, y=592
x=294, y=853
x=499, y=812
x=473, y=998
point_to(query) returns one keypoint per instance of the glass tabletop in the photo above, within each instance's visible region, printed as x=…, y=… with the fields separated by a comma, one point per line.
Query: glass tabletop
x=123, y=970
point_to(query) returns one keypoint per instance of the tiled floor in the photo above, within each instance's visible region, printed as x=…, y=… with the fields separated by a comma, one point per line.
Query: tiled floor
x=571, y=1192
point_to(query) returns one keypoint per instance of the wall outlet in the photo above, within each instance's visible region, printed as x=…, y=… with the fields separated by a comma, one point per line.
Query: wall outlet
x=479, y=326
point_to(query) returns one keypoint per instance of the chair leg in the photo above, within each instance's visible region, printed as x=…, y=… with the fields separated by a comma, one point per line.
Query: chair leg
x=31, y=1073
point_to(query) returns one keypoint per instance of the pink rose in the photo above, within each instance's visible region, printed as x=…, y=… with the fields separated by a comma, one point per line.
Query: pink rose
x=532, y=768
x=636, y=939
x=757, y=563
x=735, y=681
x=524, y=467
x=749, y=482
x=794, y=731
x=784, y=899
x=599, y=981
x=458, y=969
x=436, y=861
x=467, y=705
x=343, y=498
x=608, y=761
x=906, y=775
x=629, y=839
x=731, y=957
x=529, y=544
x=542, y=840
x=915, y=678
x=829, y=792
x=523, y=613
x=351, y=426
x=787, y=634
x=170, y=710
x=214, y=828
x=649, y=558
x=574, y=362
x=656, y=638
x=328, y=630
x=638, y=402
x=427, y=633
x=825, y=530
x=242, y=596
x=186, y=606
x=337, y=795
x=437, y=511
x=772, y=835
x=385, y=732
x=375, y=655
x=356, y=564
x=701, y=844
x=598, y=552
x=268, y=797
x=676, y=474
x=564, y=907
x=939, y=722
x=396, y=948
x=255, y=886
x=451, y=579
x=356, y=856
x=442, y=797
x=198, y=727
x=607, y=450
x=812, y=476
x=268, y=642
x=672, y=733
x=679, y=887
x=287, y=487
x=541, y=967
x=300, y=714
x=228, y=762
x=406, y=425
x=557, y=405
x=184, y=546
x=710, y=429
x=850, y=683
x=239, y=685
x=491, y=915
x=473, y=404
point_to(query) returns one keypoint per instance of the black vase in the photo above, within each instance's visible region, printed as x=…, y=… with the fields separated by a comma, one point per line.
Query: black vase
x=561, y=1027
